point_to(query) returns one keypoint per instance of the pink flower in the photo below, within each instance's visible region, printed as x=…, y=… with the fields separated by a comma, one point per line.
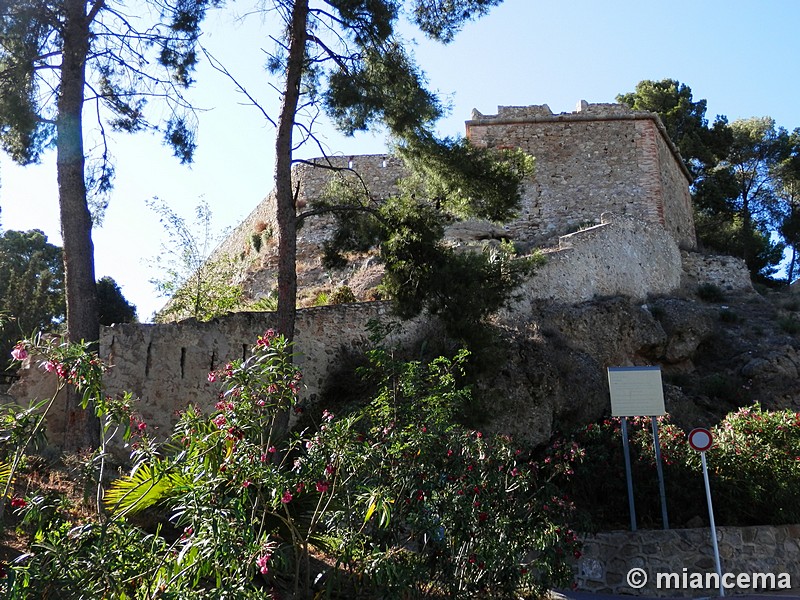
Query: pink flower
x=261, y=563
x=287, y=497
x=19, y=352
x=247, y=483
x=212, y=377
x=322, y=486
x=142, y=426
x=219, y=421
x=329, y=469
x=272, y=450
x=327, y=416
x=49, y=366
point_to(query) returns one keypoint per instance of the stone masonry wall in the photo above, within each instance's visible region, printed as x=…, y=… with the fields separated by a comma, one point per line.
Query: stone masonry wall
x=166, y=366
x=621, y=256
x=258, y=273
x=727, y=272
x=607, y=557
x=603, y=157
x=678, y=211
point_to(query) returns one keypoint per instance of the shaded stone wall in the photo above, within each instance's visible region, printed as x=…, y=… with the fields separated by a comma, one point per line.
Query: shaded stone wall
x=166, y=366
x=607, y=557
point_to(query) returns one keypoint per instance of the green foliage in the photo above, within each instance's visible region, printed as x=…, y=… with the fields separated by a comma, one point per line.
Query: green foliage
x=683, y=118
x=124, y=74
x=195, y=285
x=740, y=174
x=727, y=234
x=464, y=180
x=789, y=325
x=31, y=287
x=403, y=501
x=424, y=273
x=255, y=241
x=342, y=295
x=710, y=292
x=268, y=303
x=753, y=467
x=112, y=305
x=322, y=299
x=449, y=179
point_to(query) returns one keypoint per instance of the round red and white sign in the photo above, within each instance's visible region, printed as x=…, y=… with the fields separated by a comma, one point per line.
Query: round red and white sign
x=700, y=439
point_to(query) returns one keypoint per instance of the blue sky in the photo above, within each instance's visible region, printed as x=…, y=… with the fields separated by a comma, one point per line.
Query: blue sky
x=742, y=57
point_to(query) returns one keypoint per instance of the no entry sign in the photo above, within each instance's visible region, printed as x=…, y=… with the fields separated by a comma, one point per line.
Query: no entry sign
x=700, y=439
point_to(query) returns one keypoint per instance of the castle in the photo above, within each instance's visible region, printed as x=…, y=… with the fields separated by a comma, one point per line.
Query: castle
x=608, y=201
x=602, y=158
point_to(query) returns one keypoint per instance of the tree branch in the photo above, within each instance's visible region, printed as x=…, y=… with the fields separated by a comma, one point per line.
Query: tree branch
x=217, y=65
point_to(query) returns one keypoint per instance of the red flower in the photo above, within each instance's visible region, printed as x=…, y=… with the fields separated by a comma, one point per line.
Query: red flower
x=322, y=486
x=482, y=517
x=287, y=497
x=18, y=502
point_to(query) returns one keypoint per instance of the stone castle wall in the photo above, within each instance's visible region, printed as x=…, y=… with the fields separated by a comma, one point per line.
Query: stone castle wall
x=621, y=256
x=166, y=366
x=601, y=158
x=607, y=557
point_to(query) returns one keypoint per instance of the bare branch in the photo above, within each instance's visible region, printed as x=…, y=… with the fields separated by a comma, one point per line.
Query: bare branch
x=217, y=65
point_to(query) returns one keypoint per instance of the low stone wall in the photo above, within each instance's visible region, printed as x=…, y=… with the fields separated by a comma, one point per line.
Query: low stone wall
x=166, y=366
x=608, y=557
x=727, y=272
x=623, y=256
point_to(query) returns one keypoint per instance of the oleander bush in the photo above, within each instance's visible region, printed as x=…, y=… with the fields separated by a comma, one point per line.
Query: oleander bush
x=754, y=471
x=393, y=500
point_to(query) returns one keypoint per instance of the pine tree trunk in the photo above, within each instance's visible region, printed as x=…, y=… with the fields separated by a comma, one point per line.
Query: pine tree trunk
x=76, y=221
x=284, y=192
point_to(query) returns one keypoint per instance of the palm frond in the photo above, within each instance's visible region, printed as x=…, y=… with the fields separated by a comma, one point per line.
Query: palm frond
x=144, y=487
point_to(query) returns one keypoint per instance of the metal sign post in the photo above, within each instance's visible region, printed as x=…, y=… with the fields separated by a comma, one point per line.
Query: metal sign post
x=628, y=477
x=637, y=391
x=700, y=439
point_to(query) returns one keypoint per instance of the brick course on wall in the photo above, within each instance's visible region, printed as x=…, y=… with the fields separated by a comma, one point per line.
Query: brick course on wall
x=607, y=557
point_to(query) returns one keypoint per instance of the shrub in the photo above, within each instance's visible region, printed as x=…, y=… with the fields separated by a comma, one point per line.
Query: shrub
x=789, y=324
x=404, y=502
x=255, y=241
x=342, y=295
x=708, y=292
x=754, y=467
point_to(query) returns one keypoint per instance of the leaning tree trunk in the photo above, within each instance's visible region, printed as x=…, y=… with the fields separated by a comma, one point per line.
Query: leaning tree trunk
x=76, y=222
x=284, y=192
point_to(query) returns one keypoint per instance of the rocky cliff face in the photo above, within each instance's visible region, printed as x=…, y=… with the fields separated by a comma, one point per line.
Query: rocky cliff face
x=715, y=357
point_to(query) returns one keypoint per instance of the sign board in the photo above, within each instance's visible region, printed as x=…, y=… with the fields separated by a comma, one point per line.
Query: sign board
x=636, y=391
x=700, y=439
